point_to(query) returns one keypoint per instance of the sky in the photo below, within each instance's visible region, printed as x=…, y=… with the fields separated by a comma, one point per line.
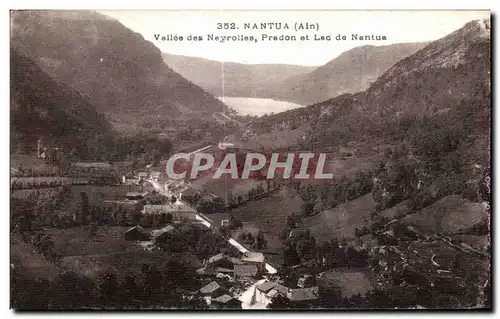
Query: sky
x=396, y=26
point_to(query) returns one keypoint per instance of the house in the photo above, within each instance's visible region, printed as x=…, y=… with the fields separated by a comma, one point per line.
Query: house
x=163, y=234
x=155, y=175
x=265, y=292
x=178, y=210
x=306, y=281
x=130, y=180
x=221, y=260
x=142, y=176
x=137, y=233
x=212, y=290
x=188, y=194
x=303, y=295
x=246, y=271
x=226, y=301
x=254, y=258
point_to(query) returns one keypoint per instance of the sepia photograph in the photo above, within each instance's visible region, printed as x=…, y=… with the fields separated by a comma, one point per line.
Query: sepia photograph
x=216, y=160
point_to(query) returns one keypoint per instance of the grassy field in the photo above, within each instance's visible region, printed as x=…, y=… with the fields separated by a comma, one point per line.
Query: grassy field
x=448, y=215
x=267, y=214
x=78, y=241
x=218, y=186
x=124, y=263
x=91, y=256
x=24, y=255
x=348, y=281
x=350, y=166
x=36, y=165
x=340, y=221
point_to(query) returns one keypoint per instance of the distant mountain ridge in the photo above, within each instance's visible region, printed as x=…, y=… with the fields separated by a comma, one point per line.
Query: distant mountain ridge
x=240, y=80
x=352, y=71
x=114, y=68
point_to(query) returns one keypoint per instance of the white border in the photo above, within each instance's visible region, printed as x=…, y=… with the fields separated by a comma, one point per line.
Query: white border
x=193, y=5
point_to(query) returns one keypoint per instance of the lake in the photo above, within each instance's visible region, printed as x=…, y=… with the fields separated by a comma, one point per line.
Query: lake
x=257, y=106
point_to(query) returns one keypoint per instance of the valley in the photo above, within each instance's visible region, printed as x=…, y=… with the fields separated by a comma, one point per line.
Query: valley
x=98, y=223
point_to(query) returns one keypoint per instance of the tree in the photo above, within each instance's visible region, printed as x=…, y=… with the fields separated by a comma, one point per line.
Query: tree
x=307, y=208
x=83, y=208
x=71, y=291
x=108, y=288
x=93, y=228
x=280, y=302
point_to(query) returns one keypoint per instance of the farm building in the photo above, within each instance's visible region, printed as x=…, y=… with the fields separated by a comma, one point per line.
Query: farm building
x=303, y=294
x=161, y=235
x=221, y=260
x=254, y=258
x=246, y=271
x=155, y=175
x=142, y=176
x=213, y=290
x=178, y=210
x=137, y=233
x=265, y=292
x=226, y=301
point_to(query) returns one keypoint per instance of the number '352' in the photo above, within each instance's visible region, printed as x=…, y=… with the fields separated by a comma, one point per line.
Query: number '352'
x=226, y=26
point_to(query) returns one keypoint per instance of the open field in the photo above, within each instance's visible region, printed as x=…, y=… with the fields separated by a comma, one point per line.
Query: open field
x=350, y=166
x=349, y=282
x=448, y=215
x=341, y=220
x=267, y=214
x=124, y=263
x=24, y=255
x=78, y=241
x=31, y=163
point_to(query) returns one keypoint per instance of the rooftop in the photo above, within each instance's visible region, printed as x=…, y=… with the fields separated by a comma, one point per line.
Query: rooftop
x=137, y=228
x=211, y=287
x=159, y=232
x=252, y=256
x=177, y=207
x=271, y=285
x=303, y=294
x=246, y=270
x=223, y=299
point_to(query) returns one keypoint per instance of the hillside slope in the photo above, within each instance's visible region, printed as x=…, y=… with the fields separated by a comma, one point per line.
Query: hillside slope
x=448, y=78
x=114, y=68
x=352, y=71
x=41, y=107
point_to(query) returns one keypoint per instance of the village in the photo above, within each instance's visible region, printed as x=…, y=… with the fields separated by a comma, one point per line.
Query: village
x=156, y=208
x=237, y=280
